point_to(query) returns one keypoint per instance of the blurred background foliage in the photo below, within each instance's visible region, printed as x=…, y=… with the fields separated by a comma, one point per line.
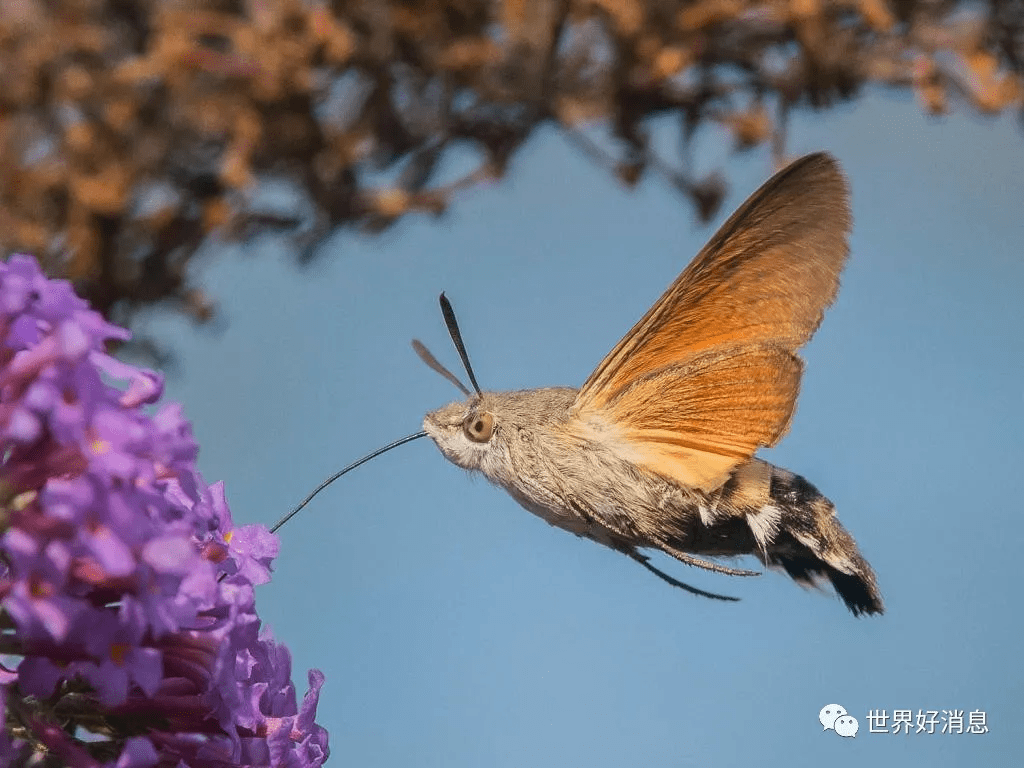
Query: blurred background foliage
x=132, y=132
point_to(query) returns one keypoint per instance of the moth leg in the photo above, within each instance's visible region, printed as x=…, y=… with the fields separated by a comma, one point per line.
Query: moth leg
x=707, y=565
x=645, y=562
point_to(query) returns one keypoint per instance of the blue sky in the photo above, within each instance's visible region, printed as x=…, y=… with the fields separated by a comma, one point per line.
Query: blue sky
x=456, y=629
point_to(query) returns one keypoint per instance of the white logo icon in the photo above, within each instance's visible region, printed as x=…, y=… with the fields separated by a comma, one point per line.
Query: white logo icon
x=834, y=717
x=829, y=713
x=847, y=725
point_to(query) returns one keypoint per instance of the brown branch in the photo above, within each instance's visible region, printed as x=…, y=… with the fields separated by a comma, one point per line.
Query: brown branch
x=132, y=130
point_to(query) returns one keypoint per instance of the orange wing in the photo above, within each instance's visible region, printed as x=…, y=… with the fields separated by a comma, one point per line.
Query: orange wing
x=710, y=373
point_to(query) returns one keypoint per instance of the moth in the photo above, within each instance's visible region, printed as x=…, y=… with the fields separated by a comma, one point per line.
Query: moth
x=656, y=451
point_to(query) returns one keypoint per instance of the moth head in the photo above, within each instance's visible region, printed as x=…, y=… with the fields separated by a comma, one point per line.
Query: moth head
x=466, y=432
x=489, y=432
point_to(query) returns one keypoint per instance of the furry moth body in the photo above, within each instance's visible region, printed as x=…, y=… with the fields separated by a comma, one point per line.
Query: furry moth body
x=656, y=449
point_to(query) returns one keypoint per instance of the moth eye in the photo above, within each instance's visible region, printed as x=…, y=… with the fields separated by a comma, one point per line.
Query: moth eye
x=479, y=426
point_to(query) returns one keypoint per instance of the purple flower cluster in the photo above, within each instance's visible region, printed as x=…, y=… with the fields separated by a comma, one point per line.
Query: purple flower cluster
x=129, y=632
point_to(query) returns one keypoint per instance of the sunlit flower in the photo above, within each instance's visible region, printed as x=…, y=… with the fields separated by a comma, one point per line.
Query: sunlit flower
x=126, y=590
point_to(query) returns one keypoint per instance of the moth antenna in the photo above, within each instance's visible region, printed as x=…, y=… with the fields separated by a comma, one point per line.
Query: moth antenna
x=336, y=475
x=453, y=331
x=432, y=363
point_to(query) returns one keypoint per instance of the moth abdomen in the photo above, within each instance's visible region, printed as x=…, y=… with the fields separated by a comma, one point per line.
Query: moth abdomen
x=784, y=521
x=810, y=543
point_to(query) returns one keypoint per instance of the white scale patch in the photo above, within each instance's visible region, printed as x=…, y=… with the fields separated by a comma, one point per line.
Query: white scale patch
x=764, y=524
x=808, y=541
x=843, y=565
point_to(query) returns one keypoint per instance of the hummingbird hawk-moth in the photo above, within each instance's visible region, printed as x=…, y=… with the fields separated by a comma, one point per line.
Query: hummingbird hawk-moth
x=656, y=450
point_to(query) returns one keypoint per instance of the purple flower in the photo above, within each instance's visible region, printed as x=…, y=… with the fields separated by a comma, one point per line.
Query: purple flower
x=128, y=584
